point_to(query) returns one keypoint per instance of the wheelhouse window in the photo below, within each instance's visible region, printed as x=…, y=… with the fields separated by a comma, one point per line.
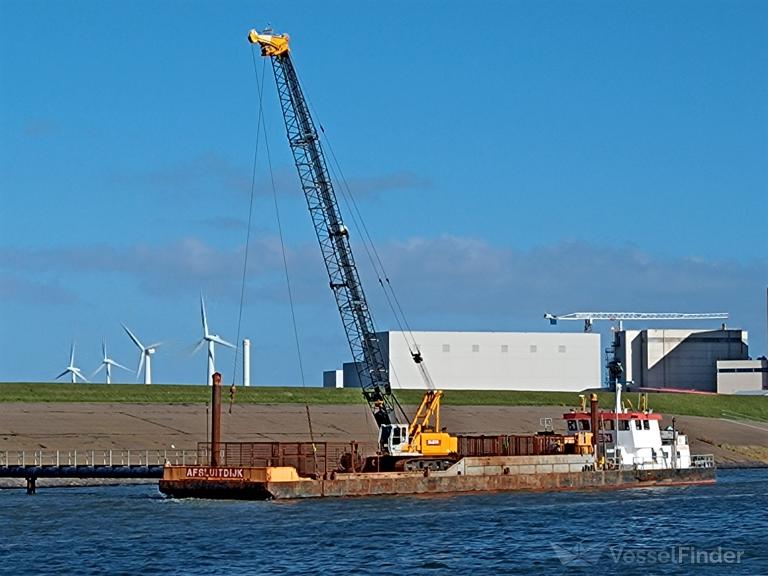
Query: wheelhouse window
x=623, y=424
x=572, y=427
x=646, y=424
x=583, y=424
x=638, y=425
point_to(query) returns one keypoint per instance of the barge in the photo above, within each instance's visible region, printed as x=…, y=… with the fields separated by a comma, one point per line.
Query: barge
x=621, y=448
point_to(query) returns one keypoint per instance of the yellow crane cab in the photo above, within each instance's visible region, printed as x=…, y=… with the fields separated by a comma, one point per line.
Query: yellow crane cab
x=423, y=435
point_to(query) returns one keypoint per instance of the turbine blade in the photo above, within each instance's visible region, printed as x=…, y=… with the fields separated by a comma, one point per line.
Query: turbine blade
x=141, y=364
x=76, y=372
x=155, y=345
x=205, y=320
x=133, y=337
x=198, y=345
x=120, y=365
x=72, y=354
x=220, y=340
x=104, y=348
x=62, y=374
x=99, y=369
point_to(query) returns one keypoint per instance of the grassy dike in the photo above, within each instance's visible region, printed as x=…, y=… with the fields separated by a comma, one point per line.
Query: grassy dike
x=730, y=407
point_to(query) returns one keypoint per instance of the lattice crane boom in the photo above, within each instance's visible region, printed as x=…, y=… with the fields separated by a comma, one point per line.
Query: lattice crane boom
x=590, y=317
x=331, y=233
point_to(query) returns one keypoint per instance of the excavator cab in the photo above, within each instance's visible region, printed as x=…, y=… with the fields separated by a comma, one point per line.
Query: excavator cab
x=393, y=439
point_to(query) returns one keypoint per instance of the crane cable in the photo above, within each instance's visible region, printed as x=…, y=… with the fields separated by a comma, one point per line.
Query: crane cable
x=376, y=262
x=373, y=257
x=247, y=248
x=366, y=239
x=262, y=124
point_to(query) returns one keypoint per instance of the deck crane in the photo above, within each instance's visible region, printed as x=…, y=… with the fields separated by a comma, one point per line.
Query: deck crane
x=590, y=317
x=421, y=440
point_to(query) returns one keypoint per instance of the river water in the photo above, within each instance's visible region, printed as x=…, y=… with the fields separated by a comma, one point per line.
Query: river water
x=721, y=529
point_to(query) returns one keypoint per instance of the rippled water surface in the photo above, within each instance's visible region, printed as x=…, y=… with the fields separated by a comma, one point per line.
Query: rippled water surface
x=719, y=529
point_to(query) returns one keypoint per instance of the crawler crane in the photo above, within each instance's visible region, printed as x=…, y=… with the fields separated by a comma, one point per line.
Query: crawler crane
x=417, y=444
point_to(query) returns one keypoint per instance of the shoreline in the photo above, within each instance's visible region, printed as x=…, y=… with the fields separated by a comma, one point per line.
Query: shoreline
x=122, y=426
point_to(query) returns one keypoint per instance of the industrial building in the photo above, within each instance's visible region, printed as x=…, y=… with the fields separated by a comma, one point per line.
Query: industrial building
x=681, y=359
x=549, y=361
x=742, y=376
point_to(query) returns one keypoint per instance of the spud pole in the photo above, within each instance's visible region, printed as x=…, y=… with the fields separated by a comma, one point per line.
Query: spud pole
x=215, y=419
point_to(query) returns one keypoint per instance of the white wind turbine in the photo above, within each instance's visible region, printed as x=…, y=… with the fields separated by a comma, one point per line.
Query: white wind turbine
x=108, y=363
x=145, y=356
x=212, y=340
x=72, y=369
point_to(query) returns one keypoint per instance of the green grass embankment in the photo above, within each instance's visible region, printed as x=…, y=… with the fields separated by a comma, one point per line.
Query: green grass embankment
x=731, y=407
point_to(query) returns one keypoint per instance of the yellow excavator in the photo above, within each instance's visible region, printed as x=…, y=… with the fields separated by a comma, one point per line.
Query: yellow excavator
x=415, y=444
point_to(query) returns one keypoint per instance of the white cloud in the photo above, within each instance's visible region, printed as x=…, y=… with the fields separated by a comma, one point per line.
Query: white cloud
x=465, y=281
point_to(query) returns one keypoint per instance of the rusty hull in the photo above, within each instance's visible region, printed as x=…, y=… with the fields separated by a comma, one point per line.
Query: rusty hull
x=480, y=475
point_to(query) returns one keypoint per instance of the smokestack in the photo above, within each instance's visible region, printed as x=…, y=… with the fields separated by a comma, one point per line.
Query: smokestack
x=246, y=362
x=215, y=419
x=594, y=416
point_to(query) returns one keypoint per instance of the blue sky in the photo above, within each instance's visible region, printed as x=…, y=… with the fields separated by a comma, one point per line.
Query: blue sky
x=509, y=160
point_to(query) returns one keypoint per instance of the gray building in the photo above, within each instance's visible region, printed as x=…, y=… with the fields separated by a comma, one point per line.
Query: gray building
x=554, y=361
x=684, y=359
x=333, y=379
x=742, y=376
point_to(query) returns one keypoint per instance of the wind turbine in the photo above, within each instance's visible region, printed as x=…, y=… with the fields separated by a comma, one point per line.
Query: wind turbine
x=108, y=362
x=212, y=340
x=145, y=356
x=72, y=369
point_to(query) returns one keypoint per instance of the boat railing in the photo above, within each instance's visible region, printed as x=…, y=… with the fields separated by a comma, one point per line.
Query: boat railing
x=702, y=461
x=309, y=459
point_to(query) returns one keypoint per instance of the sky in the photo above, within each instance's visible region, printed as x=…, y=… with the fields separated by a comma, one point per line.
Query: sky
x=509, y=159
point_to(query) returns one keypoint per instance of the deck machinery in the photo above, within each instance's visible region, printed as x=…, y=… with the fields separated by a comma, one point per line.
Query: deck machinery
x=403, y=444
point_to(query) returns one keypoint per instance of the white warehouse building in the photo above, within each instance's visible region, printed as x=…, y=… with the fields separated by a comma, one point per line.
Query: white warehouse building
x=559, y=361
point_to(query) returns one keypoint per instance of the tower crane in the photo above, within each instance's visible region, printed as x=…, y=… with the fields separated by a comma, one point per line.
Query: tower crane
x=590, y=317
x=419, y=442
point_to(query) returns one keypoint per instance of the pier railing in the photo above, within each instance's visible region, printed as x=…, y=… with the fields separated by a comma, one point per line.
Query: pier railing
x=111, y=458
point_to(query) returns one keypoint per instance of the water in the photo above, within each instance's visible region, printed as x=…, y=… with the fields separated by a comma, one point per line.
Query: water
x=133, y=529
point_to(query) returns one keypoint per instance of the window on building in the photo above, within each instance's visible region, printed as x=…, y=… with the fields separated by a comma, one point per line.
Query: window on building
x=533, y=348
x=446, y=347
x=475, y=347
x=504, y=348
x=561, y=349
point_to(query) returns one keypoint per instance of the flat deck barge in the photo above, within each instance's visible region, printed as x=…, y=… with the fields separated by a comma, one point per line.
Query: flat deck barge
x=469, y=474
